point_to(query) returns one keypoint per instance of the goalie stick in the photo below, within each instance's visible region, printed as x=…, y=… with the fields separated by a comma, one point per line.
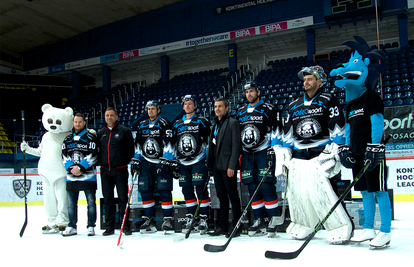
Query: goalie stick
x=25, y=180
x=218, y=248
x=127, y=208
x=291, y=255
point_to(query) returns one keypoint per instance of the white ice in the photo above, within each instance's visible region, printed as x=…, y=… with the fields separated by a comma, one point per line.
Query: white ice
x=37, y=249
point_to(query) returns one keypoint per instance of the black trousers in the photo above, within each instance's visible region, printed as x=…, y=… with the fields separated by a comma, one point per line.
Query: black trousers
x=110, y=179
x=226, y=188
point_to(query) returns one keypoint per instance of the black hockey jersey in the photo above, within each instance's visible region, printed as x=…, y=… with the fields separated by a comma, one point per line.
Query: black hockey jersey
x=314, y=122
x=80, y=150
x=260, y=126
x=191, y=139
x=367, y=110
x=154, y=140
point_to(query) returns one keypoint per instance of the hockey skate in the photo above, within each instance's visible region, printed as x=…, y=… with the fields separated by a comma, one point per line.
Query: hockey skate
x=54, y=229
x=271, y=227
x=167, y=226
x=203, y=225
x=258, y=228
x=366, y=235
x=382, y=240
x=148, y=227
x=187, y=224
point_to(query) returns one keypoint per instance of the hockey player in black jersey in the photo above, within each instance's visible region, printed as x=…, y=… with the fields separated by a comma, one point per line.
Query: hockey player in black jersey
x=314, y=128
x=153, y=142
x=80, y=154
x=191, y=134
x=260, y=129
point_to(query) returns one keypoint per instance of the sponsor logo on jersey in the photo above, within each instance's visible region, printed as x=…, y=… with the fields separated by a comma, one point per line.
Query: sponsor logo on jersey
x=187, y=128
x=302, y=112
x=250, y=118
x=197, y=177
x=357, y=112
x=246, y=174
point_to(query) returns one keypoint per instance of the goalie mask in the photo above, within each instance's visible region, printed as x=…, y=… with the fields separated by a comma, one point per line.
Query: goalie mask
x=316, y=71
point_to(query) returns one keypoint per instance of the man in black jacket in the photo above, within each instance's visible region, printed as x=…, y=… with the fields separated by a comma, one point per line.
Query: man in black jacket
x=116, y=150
x=223, y=158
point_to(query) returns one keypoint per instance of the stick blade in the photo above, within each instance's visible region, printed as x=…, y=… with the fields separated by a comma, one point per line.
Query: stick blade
x=214, y=248
x=23, y=228
x=281, y=255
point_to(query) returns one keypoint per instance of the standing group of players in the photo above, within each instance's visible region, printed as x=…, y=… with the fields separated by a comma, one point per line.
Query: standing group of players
x=164, y=151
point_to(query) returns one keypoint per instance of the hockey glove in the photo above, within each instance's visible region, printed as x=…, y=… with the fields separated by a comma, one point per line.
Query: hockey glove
x=270, y=155
x=135, y=166
x=374, y=153
x=283, y=156
x=346, y=157
x=167, y=165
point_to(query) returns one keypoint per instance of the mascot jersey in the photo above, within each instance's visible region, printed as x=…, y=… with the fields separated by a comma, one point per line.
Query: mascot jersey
x=363, y=111
x=314, y=122
x=80, y=150
x=260, y=126
x=154, y=140
x=191, y=139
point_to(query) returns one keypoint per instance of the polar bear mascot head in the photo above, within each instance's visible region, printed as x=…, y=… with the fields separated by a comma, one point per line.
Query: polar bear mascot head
x=57, y=120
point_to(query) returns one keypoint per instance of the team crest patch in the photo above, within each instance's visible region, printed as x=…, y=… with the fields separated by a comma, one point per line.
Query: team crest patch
x=152, y=148
x=187, y=145
x=308, y=128
x=250, y=136
x=18, y=186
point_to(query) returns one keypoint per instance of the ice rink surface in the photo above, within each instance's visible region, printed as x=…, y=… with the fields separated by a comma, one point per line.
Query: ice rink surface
x=37, y=249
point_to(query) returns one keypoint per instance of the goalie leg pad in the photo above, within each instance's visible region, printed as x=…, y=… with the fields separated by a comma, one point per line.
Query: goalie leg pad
x=323, y=198
x=302, y=213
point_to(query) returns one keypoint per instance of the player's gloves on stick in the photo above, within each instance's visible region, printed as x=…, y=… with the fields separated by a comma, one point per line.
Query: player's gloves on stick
x=374, y=153
x=135, y=166
x=24, y=146
x=166, y=165
x=346, y=157
x=270, y=155
x=283, y=156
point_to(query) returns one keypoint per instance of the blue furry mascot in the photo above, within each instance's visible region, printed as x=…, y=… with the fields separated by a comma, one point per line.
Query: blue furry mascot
x=364, y=136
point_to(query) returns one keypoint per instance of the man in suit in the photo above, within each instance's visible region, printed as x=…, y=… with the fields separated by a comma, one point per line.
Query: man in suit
x=223, y=156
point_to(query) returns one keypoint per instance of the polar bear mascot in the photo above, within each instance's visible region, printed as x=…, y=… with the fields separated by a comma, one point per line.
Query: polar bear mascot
x=58, y=123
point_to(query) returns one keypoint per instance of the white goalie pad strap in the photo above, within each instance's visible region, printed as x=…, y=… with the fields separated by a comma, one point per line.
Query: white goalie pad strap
x=283, y=155
x=328, y=162
x=311, y=197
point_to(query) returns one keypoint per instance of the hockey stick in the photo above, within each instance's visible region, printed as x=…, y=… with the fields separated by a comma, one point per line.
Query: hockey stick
x=127, y=207
x=291, y=255
x=215, y=248
x=25, y=180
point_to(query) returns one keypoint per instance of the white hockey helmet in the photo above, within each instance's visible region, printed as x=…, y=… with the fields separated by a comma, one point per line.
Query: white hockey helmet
x=251, y=84
x=152, y=103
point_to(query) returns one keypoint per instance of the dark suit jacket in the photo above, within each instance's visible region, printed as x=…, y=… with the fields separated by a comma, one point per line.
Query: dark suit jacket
x=228, y=144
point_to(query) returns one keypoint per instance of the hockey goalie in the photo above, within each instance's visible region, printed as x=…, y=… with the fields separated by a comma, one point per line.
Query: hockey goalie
x=313, y=130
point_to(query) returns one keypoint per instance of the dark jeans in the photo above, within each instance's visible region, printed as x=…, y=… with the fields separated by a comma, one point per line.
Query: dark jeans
x=110, y=179
x=226, y=188
x=73, y=197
